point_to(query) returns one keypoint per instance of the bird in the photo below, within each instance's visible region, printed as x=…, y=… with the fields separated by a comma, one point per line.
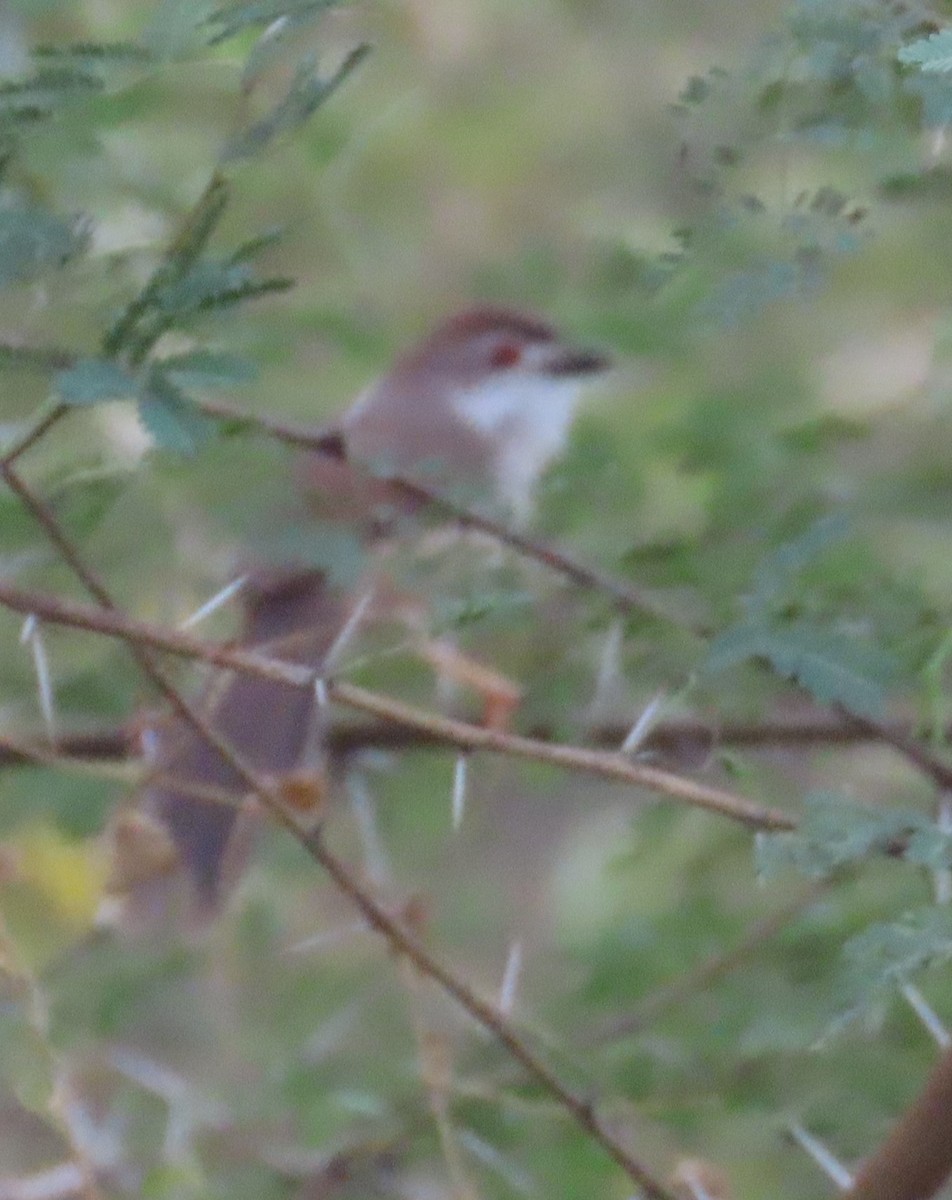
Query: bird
x=485, y=402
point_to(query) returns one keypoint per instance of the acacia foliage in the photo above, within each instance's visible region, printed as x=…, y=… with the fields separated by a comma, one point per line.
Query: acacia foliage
x=778, y=483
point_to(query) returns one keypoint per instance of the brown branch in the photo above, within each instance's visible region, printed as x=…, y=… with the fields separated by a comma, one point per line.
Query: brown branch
x=915, y=1160
x=108, y=745
x=32, y=435
x=813, y=729
x=626, y=597
x=581, y=1110
x=905, y=744
x=457, y=733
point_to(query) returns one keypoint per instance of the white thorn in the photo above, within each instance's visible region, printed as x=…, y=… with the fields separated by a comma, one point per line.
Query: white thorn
x=276, y=28
x=608, y=667
x=510, y=980
x=459, y=791
x=348, y=629
x=329, y=938
x=642, y=727
x=179, y=1139
x=698, y=1190
x=214, y=603
x=486, y=1153
x=322, y=699
x=150, y=1075
x=927, y=1015
x=937, y=143
x=66, y=1179
x=100, y=1142
x=32, y=635
x=831, y=1167
x=942, y=878
x=365, y=813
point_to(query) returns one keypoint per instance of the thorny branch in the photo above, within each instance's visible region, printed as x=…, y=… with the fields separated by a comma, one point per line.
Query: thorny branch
x=927, y=1114
x=457, y=733
x=812, y=729
x=582, y=1110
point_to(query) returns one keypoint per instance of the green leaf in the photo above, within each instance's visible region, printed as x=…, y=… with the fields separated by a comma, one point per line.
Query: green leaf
x=177, y=28
x=884, y=957
x=179, y=259
x=930, y=846
x=203, y=284
x=307, y=92
x=932, y=54
x=775, y=572
x=935, y=97
x=206, y=369
x=888, y=953
x=744, y=294
x=93, y=380
x=172, y=418
x=833, y=832
x=255, y=245
x=50, y=88
x=834, y=668
x=32, y=239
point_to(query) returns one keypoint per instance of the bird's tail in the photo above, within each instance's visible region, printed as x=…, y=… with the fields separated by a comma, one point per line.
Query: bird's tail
x=292, y=615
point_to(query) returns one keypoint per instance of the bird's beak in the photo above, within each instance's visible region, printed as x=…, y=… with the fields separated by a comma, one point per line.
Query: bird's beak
x=568, y=362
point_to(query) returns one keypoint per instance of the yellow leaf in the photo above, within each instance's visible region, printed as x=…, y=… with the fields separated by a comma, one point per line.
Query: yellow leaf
x=70, y=876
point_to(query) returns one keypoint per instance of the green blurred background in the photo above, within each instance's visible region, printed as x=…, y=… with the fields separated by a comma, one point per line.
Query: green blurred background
x=783, y=355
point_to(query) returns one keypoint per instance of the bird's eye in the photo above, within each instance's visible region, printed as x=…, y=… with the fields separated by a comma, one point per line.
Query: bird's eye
x=505, y=354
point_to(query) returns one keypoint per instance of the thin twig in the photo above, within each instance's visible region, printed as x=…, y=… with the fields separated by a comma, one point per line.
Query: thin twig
x=626, y=597
x=908, y=746
x=40, y=427
x=59, y=754
x=680, y=990
x=464, y=736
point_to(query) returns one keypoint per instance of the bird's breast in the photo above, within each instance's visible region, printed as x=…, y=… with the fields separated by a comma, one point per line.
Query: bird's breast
x=529, y=421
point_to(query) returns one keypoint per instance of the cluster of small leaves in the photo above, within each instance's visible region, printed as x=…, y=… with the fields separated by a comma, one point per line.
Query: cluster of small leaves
x=888, y=953
x=307, y=92
x=887, y=956
x=839, y=87
x=835, y=833
x=33, y=238
x=833, y=80
x=189, y=280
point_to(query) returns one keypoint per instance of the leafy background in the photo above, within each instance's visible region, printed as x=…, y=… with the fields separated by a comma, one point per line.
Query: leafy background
x=748, y=204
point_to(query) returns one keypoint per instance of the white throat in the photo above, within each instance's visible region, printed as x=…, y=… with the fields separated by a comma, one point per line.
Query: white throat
x=530, y=417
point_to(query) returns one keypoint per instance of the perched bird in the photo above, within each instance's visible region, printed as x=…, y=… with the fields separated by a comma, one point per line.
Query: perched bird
x=485, y=402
